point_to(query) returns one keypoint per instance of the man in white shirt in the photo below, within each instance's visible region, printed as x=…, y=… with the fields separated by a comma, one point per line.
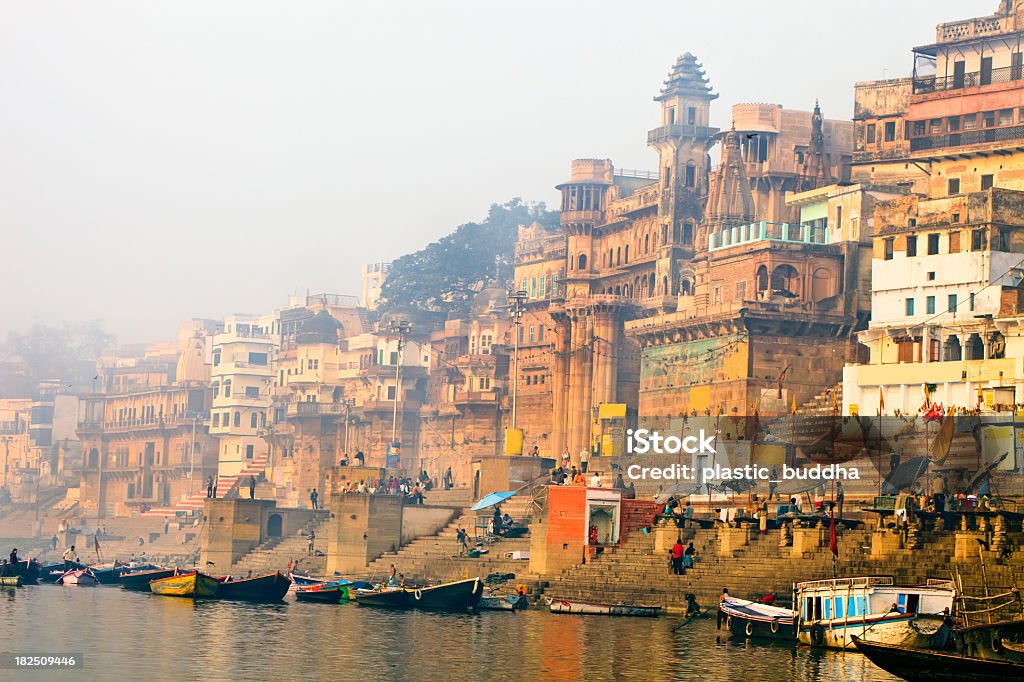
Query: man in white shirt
x=595, y=481
x=584, y=460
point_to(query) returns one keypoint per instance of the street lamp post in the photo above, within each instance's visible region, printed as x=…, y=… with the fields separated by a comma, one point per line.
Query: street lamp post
x=402, y=328
x=517, y=298
x=349, y=403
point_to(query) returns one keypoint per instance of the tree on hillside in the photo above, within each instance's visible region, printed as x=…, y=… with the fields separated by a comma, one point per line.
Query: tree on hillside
x=444, y=276
x=59, y=352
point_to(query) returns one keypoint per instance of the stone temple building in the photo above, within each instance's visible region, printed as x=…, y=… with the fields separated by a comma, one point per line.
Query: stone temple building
x=692, y=289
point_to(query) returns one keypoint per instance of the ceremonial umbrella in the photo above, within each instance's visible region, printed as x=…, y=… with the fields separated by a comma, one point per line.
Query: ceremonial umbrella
x=904, y=475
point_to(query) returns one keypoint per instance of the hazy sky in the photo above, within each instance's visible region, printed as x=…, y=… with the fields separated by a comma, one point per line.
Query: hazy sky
x=167, y=160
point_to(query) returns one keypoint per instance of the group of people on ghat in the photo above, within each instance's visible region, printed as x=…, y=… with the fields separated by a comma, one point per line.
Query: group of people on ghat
x=412, y=489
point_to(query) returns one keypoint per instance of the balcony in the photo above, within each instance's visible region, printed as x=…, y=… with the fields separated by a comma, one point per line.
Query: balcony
x=967, y=137
x=928, y=84
x=468, y=397
x=678, y=130
x=768, y=232
x=316, y=409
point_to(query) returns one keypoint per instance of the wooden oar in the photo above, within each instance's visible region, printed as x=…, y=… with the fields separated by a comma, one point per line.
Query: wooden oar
x=690, y=618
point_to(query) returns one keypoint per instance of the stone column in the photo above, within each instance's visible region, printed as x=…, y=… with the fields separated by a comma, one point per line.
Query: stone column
x=587, y=382
x=572, y=409
x=559, y=388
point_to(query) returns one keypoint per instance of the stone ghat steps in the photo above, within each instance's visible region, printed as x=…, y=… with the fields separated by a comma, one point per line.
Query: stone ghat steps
x=275, y=554
x=636, y=573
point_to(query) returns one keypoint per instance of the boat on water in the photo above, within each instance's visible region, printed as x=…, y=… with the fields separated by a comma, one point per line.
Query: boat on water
x=559, y=605
x=990, y=627
x=262, y=588
x=926, y=665
x=503, y=602
x=192, y=585
x=82, y=577
x=461, y=595
x=332, y=592
x=753, y=619
x=139, y=580
x=830, y=612
x=51, y=573
x=10, y=581
x=29, y=570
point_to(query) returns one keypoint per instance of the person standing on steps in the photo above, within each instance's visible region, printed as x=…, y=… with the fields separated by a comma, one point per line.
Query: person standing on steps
x=314, y=498
x=209, y=487
x=460, y=537
x=677, y=557
x=584, y=460
x=252, y=487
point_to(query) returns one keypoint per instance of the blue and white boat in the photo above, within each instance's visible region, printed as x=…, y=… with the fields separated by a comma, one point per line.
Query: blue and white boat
x=831, y=612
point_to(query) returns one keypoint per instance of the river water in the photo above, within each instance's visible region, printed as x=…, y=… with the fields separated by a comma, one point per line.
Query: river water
x=129, y=635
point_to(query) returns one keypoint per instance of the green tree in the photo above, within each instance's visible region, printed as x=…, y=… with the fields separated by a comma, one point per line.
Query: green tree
x=64, y=353
x=444, y=276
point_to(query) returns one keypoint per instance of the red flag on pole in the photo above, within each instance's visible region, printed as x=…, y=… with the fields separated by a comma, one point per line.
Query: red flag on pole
x=833, y=540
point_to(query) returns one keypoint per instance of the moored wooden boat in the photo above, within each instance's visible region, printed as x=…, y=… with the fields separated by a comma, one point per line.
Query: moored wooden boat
x=559, y=605
x=139, y=580
x=926, y=665
x=29, y=570
x=751, y=619
x=11, y=581
x=51, y=573
x=193, y=585
x=333, y=592
x=263, y=588
x=503, y=602
x=82, y=577
x=831, y=611
x=460, y=595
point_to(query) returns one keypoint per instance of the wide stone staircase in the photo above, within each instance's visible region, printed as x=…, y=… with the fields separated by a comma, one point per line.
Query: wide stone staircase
x=226, y=486
x=435, y=557
x=275, y=553
x=635, y=573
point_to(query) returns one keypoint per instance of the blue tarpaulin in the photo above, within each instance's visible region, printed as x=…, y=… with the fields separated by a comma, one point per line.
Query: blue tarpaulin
x=492, y=499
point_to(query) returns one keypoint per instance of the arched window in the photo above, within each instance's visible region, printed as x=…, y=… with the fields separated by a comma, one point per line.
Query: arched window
x=664, y=286
x=238, y=418
x=216, y=389
x=227, y=388
x=618, y=256
x=582, y=262
x=951, y=351
x=785, y=281
x=975, y=348
x=761, y=277
x=685, y=287
x=647, y=243
x=618, y=291
x=253, y=420
x=627, y=254
x=821, y=285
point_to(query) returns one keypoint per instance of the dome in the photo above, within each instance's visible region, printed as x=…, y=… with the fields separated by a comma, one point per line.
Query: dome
x=192, y=367
x=490, y=300
x=321, y=328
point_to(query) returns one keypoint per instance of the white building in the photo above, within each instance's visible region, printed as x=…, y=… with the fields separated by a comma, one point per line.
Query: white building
x=374, y=275
x=242, y=377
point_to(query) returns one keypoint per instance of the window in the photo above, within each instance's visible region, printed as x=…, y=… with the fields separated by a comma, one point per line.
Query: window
x=533, y=287
x=1016, y=66
x=1005, y=117
x=259, y=359
x=542, y=289
x=933, y=244
x=485, y=383
x=953, y=186
x=227, y=388
x=905, y=350
x=931, y=276
x=741, y=291
x=216, y=389
x=839, y=218
x=952, y=303
x=871, y=133
x=671, y=115
x=216, y=357
x=986, y=182
x=312, y=364
x=956, y=218
x=540, y=333
x=933, y=350
x=238, y=418
x=249, y=451
x=216, y=419
x=970, y=121
x=988, y=119
x=986, y=71
x=691, y=175
x=252, y=391
x=522, y=334
x=911, y=246
x=393, y=358
x=954, y=241
x=691, y=116
x=953, y=123
x=887, y=255
x=909, y=307
x=890, y=131
x=253, y=420
x=971, y=302
x=929, y=305
x=485, y=344
x=533, y=334
x=978, y=240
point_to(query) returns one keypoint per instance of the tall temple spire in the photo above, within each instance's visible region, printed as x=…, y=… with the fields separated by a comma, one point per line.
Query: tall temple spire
x=729, y=199
x=816, y=166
